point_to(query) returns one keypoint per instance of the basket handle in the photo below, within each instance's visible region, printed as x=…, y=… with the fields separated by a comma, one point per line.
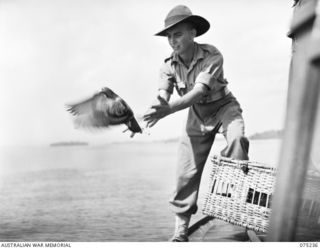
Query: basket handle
x=244, y=167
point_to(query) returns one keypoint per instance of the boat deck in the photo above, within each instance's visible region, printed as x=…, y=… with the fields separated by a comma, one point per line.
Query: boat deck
x=209, y=229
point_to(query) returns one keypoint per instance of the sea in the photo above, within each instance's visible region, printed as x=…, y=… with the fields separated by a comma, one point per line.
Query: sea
x=97, y=193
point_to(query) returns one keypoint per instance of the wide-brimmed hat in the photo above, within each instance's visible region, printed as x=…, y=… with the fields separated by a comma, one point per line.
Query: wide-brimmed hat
x=181, y=14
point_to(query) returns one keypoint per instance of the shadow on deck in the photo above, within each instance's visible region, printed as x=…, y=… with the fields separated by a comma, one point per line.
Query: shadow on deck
x=209, y=229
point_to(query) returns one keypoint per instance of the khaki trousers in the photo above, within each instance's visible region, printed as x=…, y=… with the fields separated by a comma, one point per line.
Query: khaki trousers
x=195, y=146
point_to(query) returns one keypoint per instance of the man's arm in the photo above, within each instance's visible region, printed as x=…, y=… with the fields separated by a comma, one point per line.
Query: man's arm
x=164, y=94
x=190, y=98
x=163, y=109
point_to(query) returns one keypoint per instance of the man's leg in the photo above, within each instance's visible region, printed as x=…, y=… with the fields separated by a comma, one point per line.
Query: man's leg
x=233, y=131
x=192, y=155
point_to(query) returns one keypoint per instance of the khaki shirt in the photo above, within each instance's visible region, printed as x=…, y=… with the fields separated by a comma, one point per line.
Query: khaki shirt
x=206, y=68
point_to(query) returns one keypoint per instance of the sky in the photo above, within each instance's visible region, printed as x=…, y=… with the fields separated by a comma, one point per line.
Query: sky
x=55, y=52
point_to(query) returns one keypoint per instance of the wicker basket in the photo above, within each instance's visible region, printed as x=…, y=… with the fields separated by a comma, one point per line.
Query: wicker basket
x=239, y=198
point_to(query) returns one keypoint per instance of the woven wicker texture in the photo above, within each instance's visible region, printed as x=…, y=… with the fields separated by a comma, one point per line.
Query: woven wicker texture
x=239, y=198
x=309, y=215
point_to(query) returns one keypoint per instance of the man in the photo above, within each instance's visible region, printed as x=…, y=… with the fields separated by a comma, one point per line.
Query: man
x=196, y=72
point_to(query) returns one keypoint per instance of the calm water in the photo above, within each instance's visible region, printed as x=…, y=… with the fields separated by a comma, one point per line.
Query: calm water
x=95, y=193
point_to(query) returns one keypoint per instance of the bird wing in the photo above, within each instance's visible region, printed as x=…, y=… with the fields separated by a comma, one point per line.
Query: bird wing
x=103, y=109
x=91, y=112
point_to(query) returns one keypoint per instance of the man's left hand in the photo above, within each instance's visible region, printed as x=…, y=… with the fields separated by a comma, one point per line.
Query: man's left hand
x=157, y=112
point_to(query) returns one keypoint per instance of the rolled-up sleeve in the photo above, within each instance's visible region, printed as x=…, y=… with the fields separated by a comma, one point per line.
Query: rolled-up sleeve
x=212, y=69
x=166, y=78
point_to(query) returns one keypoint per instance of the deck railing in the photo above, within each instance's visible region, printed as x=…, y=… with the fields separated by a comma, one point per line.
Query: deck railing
x=302, y=103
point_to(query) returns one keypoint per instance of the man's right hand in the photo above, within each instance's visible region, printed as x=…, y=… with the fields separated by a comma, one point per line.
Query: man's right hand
x=162, y=99
x=153, y=114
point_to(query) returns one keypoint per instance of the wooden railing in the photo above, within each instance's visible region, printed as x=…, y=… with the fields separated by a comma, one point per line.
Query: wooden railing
x=302, y=102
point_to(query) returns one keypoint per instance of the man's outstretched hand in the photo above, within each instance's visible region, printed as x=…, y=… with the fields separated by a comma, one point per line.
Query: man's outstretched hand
x=157, y=111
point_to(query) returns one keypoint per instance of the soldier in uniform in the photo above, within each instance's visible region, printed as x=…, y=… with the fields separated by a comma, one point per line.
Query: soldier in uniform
x=196, y=72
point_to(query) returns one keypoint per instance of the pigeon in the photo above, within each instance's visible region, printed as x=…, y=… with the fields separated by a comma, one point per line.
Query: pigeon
x=102, y=110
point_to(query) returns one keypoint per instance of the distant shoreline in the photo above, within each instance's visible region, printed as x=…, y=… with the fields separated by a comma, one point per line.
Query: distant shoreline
x=272, y=134
x=71, y=143
x=266, y=135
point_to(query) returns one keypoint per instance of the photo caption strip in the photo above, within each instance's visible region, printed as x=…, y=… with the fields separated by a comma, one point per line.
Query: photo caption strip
x=35, y=245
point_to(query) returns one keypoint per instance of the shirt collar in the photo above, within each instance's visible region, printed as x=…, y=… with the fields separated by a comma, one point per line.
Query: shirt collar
x=198, y=55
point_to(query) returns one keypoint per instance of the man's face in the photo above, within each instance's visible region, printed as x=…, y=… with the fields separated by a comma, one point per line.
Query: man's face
x=181, y=37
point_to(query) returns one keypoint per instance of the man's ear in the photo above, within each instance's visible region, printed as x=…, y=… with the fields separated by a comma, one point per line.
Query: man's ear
x=193, y=32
